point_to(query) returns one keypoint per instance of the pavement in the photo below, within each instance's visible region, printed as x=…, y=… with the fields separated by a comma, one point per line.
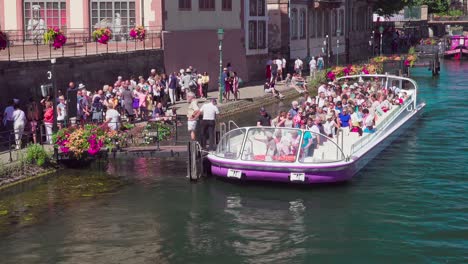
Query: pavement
x=248, y=95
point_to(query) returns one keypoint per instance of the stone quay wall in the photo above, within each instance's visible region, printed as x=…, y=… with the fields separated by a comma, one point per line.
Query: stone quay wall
x=23, y=79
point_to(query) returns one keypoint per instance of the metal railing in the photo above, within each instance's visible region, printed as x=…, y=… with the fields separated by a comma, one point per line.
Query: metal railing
x=79, y=43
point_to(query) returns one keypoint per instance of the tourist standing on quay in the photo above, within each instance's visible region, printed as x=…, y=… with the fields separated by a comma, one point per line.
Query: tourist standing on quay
x=298, y=65
x=112, y=117
x=208, y=124
x=32, y=114
x=313, y=67
x=320, y=63
x=127, y=99
x=19, y=122
x=48, y=121
x=193, y=112
x=8, y=116
x=172, y=87
x=61, y=112
x=205, y=82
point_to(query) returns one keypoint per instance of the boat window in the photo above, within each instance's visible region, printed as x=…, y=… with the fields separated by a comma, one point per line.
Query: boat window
x=317, y=148
x=272, y=144
x=231, y=144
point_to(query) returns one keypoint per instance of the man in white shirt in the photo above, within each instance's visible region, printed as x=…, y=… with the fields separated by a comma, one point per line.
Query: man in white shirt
x=208, y=124
x=322, y=88
x=279, y=62
x=193, y=112
x=298, y=64
x=313, y=67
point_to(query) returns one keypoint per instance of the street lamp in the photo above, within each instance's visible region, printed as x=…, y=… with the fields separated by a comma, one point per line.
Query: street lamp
x=220, y=39
x=338, y=32
x=326, y=48
x=337, y=47
x=371, y=43
x=381, y=29
x=55, y=95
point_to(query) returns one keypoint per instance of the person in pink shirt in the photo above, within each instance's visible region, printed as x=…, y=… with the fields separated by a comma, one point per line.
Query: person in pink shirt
x=142, y=106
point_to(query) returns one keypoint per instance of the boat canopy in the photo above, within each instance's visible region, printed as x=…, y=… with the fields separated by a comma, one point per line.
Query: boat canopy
x=278, y=145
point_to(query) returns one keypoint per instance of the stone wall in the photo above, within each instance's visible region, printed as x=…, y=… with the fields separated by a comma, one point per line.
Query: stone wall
x=23, y=79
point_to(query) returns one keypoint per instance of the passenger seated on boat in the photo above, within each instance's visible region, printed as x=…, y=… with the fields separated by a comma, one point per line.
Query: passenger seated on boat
x=270, y=143
x=384, y=103
x=356, y=121
x=295, y=138
x=282, y=144
x=368, y=121
x=404, y=97
x=330, y=125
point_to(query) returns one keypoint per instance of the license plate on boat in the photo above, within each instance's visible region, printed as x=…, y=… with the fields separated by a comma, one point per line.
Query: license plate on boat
x=297, y=177
x=234, y=174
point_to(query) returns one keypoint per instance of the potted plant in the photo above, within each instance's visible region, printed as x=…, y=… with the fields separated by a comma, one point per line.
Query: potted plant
x=56, y=36
x=79, y=145
x=138, y=33
x=102, y=35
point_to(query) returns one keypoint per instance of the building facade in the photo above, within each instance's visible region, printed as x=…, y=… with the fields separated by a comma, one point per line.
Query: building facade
x=190, y=35
x=188, y=27
x=302, y=28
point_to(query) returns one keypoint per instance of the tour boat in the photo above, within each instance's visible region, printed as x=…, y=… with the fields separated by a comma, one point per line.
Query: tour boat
x=457, y=48
x=242, y=153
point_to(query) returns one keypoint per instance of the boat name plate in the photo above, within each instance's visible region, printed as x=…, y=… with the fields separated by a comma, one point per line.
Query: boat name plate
x=234, y=173
x=297, y=177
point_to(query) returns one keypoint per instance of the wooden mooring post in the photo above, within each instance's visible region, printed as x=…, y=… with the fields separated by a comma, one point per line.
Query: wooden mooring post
x=195, y=161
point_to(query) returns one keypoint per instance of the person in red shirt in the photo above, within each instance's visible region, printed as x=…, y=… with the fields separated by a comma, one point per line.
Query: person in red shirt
x=49, y=121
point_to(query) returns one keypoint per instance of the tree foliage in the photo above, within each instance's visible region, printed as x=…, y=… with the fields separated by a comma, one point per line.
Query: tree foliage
x=387, y=8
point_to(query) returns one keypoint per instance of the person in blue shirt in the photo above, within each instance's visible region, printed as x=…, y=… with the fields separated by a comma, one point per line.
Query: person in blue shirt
x=294, y=108
x=344, y=118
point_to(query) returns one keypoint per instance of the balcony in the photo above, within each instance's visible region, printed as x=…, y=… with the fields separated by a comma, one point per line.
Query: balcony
x=327, y=3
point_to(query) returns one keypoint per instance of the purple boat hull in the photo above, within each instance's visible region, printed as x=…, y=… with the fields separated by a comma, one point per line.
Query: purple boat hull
x=317, y=173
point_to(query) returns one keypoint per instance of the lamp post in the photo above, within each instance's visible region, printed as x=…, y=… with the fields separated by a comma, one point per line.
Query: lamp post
x=55, y=95
x=54, y=100
x=381, y=29
x=337, y=54
x=338, y=32
x=325, y=49
x=371, y=43
x=220, y=39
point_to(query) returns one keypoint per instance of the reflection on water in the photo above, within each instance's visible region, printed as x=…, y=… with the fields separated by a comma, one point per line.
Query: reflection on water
x=33, y=202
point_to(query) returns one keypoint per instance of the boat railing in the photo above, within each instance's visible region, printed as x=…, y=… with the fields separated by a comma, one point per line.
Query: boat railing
x=231, y=124
x=380, y=128
x=222, y=129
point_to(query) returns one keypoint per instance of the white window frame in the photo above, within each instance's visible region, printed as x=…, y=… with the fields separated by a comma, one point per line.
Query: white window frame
x=302, y=24
x=125, y=27
x=256, y=19
x=35, y=2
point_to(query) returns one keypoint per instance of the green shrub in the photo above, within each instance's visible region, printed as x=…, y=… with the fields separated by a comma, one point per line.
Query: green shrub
x=35, y=154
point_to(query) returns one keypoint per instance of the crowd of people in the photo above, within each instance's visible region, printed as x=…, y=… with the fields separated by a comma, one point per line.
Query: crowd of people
x=355, y=107
x=133, y=99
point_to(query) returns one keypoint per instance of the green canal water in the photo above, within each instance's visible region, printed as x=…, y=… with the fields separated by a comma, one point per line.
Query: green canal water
x=410, y=205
